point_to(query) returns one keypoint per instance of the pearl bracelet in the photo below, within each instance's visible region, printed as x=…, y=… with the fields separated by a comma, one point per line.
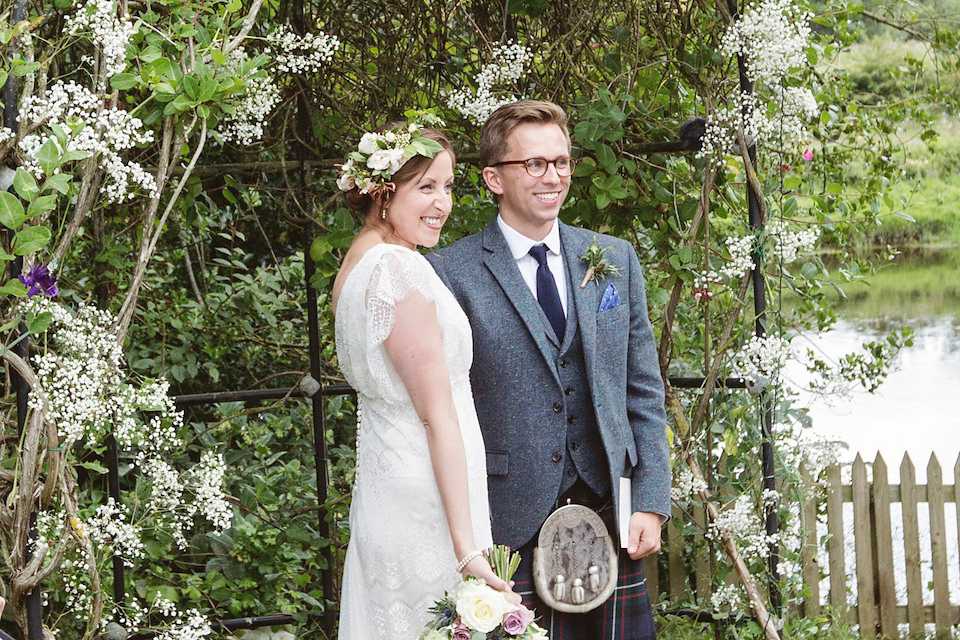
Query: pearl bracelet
x=467, y=558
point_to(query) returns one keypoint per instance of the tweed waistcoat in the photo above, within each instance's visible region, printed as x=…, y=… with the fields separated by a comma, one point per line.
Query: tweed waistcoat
x=585, y=456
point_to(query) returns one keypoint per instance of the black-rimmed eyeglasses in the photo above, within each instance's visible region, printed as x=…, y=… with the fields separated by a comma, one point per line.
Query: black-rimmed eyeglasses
x=537, y=167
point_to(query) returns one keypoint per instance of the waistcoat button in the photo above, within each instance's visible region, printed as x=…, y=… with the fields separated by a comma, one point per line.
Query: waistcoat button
x=557, y=456
x=557, y=407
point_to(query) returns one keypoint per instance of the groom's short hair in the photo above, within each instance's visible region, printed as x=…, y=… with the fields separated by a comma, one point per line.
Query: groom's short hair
x=502, y=122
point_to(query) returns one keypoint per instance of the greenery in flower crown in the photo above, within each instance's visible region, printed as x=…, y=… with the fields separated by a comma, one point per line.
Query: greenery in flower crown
x=379, y=155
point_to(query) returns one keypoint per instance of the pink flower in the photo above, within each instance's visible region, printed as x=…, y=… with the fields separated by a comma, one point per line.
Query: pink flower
x=807, y=155
x=516, y=620
x=461, y=633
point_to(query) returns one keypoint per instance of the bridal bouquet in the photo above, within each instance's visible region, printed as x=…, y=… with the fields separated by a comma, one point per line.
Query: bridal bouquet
x=476, y=611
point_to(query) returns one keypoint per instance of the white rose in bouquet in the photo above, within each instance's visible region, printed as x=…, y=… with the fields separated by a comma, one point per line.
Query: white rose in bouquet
x=481, y=608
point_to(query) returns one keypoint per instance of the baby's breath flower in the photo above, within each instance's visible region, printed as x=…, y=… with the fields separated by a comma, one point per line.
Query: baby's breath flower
x=300, y=54
x=108, y=31
x=510, y=62
x=244, y=122
x=91, y=128
x=762, y=356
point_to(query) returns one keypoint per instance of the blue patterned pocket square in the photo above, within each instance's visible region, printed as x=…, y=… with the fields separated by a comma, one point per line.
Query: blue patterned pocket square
x=610, y=299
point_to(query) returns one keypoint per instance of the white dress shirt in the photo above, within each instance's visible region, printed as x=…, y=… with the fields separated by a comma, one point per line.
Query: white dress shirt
x=520, y=248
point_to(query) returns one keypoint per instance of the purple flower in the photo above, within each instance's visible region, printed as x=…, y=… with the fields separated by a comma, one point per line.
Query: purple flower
x=461, y=633
x=40, y=281
x=516, y=620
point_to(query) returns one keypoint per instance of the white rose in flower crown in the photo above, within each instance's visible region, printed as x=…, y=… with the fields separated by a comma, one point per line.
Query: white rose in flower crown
x=380, y=160
x=396, y=159
x=369, y=143
x=481, y=608
x=390, y=137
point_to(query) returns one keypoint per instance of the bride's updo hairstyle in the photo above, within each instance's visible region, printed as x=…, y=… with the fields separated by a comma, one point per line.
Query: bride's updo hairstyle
x=368, y=207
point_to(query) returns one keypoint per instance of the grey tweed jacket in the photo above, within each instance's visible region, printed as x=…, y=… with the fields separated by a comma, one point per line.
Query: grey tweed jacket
x=516, y=384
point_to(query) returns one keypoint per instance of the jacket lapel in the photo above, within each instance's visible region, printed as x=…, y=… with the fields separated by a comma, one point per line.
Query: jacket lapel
x=499, y=260
x=574, y=244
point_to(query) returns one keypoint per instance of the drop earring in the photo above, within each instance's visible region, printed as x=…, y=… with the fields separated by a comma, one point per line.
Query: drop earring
x=383, y=213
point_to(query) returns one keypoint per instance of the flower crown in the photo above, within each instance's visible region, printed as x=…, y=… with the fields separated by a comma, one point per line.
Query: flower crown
x=380, y=155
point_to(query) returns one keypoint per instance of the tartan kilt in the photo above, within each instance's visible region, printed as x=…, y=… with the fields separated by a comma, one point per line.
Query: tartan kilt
x=626, y=615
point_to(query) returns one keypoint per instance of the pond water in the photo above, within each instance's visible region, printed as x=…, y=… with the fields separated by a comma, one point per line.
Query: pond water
x=917, y=408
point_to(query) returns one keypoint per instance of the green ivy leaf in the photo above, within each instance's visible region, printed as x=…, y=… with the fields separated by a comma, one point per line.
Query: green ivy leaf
x=42, y=205
x=24, y=184
x=11, y=211
x=14, y=288
x=59, y=182
x=30, y=240
x=606, y=158
x=48, y=156
x=124, y=81
x=39, y=323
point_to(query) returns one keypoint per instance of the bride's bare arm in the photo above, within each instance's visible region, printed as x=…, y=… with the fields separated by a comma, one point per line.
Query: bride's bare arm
x=415, y=348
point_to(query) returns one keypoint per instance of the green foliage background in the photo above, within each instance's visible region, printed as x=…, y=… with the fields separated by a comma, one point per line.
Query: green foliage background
x=224, y=306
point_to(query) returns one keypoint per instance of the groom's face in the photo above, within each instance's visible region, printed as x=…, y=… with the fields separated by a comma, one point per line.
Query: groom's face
x=528, y=204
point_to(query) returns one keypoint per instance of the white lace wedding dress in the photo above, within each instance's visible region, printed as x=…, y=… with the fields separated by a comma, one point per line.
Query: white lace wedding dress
x=400, y=558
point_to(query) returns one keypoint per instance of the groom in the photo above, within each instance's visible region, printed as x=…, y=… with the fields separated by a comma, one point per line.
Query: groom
x=565, y=378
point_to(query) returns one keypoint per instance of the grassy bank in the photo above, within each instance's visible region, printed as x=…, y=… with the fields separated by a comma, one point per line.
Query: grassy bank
x=916, y=284
x=930, y=185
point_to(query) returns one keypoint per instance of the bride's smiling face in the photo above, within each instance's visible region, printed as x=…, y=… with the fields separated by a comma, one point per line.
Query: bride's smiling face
x=420, y=207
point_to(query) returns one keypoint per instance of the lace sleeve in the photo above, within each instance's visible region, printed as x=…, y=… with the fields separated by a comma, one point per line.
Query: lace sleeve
x=395, y=277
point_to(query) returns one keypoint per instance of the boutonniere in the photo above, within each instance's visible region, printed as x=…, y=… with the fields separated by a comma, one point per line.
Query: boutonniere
x=597, y=265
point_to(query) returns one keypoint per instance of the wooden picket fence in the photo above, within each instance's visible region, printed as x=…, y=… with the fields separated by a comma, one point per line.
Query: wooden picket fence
x=876, y=606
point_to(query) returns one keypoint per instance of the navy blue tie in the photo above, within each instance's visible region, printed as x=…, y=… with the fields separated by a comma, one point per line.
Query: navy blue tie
x=547, y=294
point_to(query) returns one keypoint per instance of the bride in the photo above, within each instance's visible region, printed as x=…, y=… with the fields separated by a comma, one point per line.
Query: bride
x=419, y=517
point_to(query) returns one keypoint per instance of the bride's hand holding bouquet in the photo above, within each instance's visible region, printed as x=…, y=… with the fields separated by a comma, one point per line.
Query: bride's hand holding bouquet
x=479, y=611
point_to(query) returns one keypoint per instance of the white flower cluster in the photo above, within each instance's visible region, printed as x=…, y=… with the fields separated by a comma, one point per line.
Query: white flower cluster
x=726, y=599
x=790, y=245
x=244, y=122
x=763, y=357
x=741, y=258
x=685, y=485
x=82, y=384
x=76, y=584
x=6, y=134
x=108, y=31
x=510, y=62
x=300, y=54
x=772, y=36
x=167, y=487
x=208, y=490
x=109, y=527
x=187, y=625
x=781, y=122
x=48, y=533
x=745, y=526
x=797, y=106
x=90, y=128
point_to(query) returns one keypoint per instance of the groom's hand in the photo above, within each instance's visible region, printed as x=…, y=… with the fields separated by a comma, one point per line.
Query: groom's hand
x=644, y=535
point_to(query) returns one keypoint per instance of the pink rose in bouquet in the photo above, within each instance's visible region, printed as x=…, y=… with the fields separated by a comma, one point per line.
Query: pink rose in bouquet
x=516, y=621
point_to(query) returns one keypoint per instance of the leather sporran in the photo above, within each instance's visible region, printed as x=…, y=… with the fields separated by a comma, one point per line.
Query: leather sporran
x=575, y=560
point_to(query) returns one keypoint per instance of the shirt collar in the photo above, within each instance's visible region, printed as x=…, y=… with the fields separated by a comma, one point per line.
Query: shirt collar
x=520, y=244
